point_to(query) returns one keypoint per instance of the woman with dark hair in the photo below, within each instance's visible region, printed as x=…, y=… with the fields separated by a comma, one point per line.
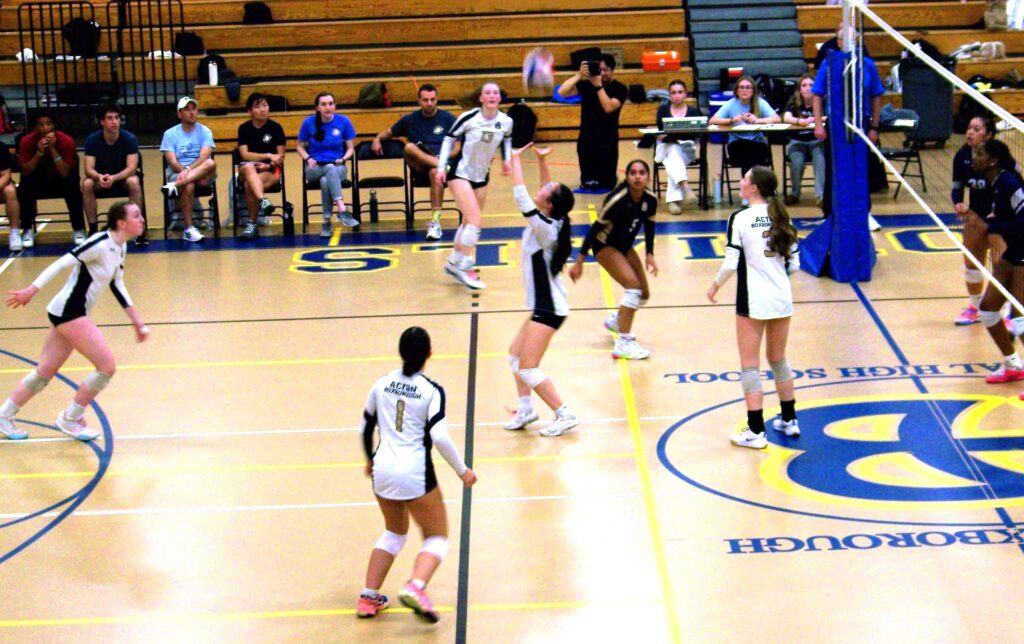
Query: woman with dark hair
x=746, y=148
x=410, y=410
x=627, y=208
x=762, y=237
x=96, y=264
x=326, y=141
x=676, y=150
x=547, y=244
x=802, y=145
x=976, y=236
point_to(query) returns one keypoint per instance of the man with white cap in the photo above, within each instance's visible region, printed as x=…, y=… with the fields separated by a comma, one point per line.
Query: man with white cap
x=188, y=149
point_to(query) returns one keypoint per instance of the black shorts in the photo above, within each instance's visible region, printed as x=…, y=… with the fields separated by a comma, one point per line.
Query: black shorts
x=547, y=318
x=598, y=246
x=56, y=320
x=477, y=184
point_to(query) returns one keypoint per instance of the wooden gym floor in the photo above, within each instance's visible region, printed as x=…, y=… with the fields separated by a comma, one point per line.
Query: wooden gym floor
x=227, y=501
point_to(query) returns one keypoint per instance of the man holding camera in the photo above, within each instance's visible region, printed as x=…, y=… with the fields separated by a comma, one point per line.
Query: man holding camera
x=602, y=98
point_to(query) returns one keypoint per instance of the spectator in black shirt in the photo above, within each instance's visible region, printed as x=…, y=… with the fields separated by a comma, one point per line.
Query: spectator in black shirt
x=598, y=144
x=111, y=161
x=9, y=197
x=261, y=143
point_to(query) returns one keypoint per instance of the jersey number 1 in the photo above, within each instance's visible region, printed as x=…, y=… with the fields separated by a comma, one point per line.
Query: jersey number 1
x=399, y=413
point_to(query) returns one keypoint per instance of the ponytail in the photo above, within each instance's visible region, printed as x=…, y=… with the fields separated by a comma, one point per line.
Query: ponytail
x=562, y=201
x=782, y=235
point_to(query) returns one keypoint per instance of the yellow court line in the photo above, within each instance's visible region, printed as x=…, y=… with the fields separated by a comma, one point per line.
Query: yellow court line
x=280, y=467
x=654, y=524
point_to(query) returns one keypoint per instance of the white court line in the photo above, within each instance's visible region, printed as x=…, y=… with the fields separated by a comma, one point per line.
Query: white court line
x=312, y=506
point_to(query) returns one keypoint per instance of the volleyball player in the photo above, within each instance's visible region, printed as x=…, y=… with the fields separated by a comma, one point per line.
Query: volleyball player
x=482, y=131
x=975, y=232
x=547, y=243
x=761, y=245
x=96, y=264
x=409, y=407
x=627, y=208
x=993, y=161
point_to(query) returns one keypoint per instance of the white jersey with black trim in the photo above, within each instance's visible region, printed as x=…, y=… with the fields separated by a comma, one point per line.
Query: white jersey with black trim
x=764, y=291
x=544, y=291
x=96, y=263
x=481, y=139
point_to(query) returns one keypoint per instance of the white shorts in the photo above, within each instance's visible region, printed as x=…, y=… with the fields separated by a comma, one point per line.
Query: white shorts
x=400, y=482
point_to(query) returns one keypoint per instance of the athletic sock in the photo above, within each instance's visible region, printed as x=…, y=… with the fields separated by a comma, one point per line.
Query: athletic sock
x=9, y=409
x=74, y=411
x=371, y=593
x=976, y=300
x=1013, y=360
x=436, y=215
x=755, y=421
x=563, y=411
x=627, y=336
x=788, y=410
x=419, y=583
x=455, y=258
x=525, y=404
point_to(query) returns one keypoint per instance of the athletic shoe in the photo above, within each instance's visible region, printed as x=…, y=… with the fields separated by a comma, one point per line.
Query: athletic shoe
x=790, y=428
x=169, y=190
x=747, y=438
x=416, y=599
x=370, y=606
x=14, y=242
x=77, y=237
x=689, y=197
x=1004, y=373
x=675, y=207
x=791, y=200
x=76, y=428
x=251, y=230
x=465, y=276
x=522, y=419
x=560, y=425
x=873, y=224
x=265, y=207
x=629, y=350
x=263, y=221
x=347, y=219
x=433, y=229
x=967, y=316
x=612, y=322
x=10, y=430
x=28, y=238
x=326, y=230
x=193, y=235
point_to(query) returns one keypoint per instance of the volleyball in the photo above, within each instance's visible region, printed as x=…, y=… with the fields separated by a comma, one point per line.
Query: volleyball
x=539, y=70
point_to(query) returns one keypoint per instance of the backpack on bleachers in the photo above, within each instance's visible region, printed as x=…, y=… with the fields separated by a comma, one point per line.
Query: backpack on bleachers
x=257, y=13
x=374, y=95
x=203, y=73
x=188, y=43
x=524, y=124
x=83, y=37
x=277, y=103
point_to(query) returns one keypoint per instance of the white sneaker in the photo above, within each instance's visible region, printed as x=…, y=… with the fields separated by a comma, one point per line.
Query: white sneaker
x=10, y=430
x=433, y=229
x=873, y=224
x=78, y=237
x=465, y=276
x=612, y=322
x=522, y=419
x=789, y=428
x=192, y=234
x=14, y=242
x=747, y=438
x=76, y=428
x=169, y=189
x=326, y=230
x=675, y=207
x=560, y=425
x=629, y=350
x=28, y=238
x=690, y=197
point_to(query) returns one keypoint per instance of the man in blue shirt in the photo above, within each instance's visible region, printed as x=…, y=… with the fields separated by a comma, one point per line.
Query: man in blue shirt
x=188, y=149
x=425, y=130
x=111, y=162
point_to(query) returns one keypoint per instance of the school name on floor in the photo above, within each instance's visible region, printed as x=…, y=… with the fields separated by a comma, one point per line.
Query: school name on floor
x=863, y=541
x=843, y=373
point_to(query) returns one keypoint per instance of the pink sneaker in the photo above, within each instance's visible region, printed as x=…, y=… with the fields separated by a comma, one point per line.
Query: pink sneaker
x=1004, y=374
x=967, y=316
x=369, y=606
x=77, y=428
x=417, y=600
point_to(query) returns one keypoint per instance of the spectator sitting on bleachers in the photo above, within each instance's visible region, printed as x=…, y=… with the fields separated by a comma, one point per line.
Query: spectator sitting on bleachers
x=326, y=142
x=803, y=145
x=111, y=158
x=9, y=197
x=49, y=168
x=424, y=129
x=746, y=148
x=188, y=149
x=678, y=150
x=261, y=144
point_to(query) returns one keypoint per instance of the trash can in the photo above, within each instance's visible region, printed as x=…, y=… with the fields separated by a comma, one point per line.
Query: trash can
x=931, y=96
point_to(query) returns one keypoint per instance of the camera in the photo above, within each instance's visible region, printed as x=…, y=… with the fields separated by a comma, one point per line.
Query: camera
x=594, y=67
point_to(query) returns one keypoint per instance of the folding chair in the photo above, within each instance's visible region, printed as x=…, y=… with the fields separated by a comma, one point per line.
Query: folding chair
x=172, y=210
x=316, y=208
x=236, y=196
x=365, y=156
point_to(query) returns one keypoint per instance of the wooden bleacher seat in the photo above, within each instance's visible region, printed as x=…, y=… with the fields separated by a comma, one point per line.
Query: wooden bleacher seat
x=882, y=45
x=901, y=15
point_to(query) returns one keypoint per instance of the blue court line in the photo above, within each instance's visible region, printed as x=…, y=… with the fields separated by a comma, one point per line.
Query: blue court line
x=103, y=456
x=943, y=422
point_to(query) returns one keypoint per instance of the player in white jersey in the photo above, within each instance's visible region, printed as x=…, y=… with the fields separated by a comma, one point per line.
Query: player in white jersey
x=409, y=409
x=761, y=247
x=483, y=131
x=96, y=264
x=547, y=244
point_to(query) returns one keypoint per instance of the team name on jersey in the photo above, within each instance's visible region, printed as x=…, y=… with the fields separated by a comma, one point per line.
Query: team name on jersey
x=761, y=222
x=404, y=390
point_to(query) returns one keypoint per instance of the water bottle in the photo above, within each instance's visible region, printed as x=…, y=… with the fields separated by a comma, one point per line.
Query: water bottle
x=214, y=74
x=718, y=190
x=289, y=221
x=373, y=205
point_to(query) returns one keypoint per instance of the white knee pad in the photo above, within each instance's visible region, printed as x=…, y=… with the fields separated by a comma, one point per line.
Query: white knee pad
x=750, y=380
x=781, y=371
x=470, y=235
x=437, y=546
x=97, y=380
x=990, y=318
x=532, y=377
x=631, y=298
x=1017, y=326
x=513, y=363
x=391, y=543
x=34, y=382
x=973, y=276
